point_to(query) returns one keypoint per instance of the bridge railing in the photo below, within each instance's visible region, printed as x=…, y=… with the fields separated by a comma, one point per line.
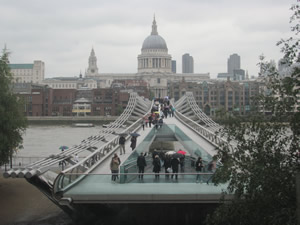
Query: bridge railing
x=128, y=170
x=213, y=137
x=136, y=105
x=67, y=178
x=186, y=177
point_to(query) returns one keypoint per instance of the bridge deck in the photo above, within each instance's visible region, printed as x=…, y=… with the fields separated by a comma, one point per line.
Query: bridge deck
x=100, y=188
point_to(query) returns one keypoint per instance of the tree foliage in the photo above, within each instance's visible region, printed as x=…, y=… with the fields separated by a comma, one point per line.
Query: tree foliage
x=261, y=156
x=12, y=120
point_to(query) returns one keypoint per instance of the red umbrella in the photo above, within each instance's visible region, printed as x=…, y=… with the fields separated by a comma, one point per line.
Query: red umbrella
x=181, y=152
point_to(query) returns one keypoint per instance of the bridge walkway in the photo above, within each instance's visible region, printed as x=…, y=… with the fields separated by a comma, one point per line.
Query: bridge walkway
x=98, y=187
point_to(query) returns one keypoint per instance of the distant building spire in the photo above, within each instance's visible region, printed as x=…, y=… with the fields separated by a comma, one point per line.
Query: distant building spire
x=154, y=27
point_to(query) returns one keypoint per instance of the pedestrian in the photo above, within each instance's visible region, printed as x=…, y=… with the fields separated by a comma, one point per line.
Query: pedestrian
x=122, y=141
x=199, y=166
x=114, y=167
x=173, y=111
x=76, y=159
x=156, y=166
x=141, y=163
x=181, y=162
x=156, y=123
x=154, y=153
x=133, y=142
x=174, y=164
x=143, y=124
x=150, y=120
x=63, y=163
x=160, y=122
x=167, y=165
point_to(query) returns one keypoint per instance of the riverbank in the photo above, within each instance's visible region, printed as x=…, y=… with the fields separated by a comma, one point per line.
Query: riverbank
x=23, y=204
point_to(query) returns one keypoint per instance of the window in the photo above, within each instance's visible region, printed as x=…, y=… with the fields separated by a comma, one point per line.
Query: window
x=158, y=80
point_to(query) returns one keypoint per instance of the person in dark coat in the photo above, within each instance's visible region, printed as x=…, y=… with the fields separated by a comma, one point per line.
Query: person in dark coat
x=174, y=164
x=154, y=153
x=141, y=163
x=160, y=122
x=150, y=120
x=122, y=141
x=133, y=142
x=156, y=166
x=198, y=167
x=181, y=161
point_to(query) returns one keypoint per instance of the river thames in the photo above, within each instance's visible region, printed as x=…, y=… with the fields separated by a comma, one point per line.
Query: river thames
x=42, y=141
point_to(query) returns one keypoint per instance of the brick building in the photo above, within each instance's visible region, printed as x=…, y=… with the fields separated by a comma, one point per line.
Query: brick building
x=40, y=100
x=214, y=95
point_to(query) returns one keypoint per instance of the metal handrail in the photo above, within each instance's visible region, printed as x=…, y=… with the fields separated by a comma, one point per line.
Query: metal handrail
x=94, y=159
x=43, y=165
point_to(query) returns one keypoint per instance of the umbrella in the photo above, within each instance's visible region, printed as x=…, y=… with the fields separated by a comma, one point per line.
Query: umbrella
x=135, y=134
x=63, y=147
x=170, y=153
x=177, y=155
x=181, y=152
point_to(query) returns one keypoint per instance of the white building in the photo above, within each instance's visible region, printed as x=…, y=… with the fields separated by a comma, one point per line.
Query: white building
x=28, y=73
x=154, y=67
x=70, y=83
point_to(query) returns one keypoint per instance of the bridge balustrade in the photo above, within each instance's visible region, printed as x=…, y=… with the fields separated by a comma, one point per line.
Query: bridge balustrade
x=213, y=137
x=76, y=173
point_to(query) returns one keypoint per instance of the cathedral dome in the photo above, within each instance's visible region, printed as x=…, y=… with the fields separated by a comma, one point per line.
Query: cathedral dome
x=154, y=41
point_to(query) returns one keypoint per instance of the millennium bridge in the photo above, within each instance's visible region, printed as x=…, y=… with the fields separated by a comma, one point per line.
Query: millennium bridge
x=85, y=191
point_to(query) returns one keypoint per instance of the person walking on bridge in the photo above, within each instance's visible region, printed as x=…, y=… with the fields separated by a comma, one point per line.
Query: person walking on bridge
x=133, y=142
x=199, y=166
x=174, y=164
x=122, y=141
x=114, y=167
x=141, y=163
x=156, y=166
x=150, y=120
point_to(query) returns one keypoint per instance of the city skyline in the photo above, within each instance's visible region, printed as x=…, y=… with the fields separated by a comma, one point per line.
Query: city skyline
x=63, y=36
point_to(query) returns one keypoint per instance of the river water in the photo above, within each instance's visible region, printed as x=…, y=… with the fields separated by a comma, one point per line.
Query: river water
x=42, y=141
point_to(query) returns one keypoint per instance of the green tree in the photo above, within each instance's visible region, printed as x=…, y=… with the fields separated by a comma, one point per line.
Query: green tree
x=12, y=119
x=261, y=156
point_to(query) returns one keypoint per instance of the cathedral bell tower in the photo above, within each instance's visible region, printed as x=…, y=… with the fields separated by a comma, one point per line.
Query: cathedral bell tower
x=92, y=69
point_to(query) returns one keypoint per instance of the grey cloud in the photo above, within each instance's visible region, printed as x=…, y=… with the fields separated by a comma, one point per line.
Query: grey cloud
x=62, y=33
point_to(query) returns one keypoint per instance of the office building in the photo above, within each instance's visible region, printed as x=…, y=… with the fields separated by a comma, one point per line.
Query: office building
x=173, y=66
x=187, y=64
x=233, y=63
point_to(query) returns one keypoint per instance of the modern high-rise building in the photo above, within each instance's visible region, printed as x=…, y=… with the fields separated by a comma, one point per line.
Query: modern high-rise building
x=173, y=66
x=187, y=63
x=233, y=63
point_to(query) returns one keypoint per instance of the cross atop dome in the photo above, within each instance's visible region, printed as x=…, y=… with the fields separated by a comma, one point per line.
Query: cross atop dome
x=154, y=27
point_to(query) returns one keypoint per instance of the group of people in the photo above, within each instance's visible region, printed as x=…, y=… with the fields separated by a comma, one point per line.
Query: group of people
x=122, y=141
x=171, y=165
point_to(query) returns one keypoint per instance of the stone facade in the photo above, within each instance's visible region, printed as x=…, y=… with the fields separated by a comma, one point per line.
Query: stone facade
x=28, y=73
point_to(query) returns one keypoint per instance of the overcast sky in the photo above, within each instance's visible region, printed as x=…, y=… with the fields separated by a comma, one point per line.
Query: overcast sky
x=62, y=32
